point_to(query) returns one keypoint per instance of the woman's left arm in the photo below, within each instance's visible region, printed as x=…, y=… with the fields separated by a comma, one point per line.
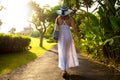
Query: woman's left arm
x=73, y=25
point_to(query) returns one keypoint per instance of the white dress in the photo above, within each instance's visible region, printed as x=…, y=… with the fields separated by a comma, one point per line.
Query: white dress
x=66, y=49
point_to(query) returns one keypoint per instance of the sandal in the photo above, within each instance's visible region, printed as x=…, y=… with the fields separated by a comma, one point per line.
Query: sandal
x=65, y=74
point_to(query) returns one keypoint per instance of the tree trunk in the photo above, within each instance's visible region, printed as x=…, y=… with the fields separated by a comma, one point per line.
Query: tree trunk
x=41, y=39
x=42, y=32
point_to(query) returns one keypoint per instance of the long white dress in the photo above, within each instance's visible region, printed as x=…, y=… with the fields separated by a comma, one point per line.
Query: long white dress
x=66, y=49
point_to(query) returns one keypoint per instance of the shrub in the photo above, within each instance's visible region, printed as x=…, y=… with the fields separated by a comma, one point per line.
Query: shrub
x=13, y=43
x=35, y=34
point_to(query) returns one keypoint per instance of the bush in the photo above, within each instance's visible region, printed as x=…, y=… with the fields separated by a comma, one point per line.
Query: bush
x=35, y=34
x=13, y=43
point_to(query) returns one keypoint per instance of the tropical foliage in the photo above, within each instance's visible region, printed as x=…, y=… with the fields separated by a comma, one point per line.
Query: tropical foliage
x=99, y=31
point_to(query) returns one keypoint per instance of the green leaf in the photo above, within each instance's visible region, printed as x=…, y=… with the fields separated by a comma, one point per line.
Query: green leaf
x=115, y=23
x=94, y=20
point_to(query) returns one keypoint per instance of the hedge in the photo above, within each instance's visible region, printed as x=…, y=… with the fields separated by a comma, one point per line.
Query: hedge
x=10, y=43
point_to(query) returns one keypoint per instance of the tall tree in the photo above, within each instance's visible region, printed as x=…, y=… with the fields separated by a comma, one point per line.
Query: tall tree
x=39, y=19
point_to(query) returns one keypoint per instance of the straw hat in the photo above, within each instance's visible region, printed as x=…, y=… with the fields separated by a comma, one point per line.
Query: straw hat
x=64, y=11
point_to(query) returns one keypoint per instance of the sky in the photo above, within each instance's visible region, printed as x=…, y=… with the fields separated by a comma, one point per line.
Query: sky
x=16, y=13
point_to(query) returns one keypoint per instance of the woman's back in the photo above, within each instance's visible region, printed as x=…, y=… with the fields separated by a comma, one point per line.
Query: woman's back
x=62, y=19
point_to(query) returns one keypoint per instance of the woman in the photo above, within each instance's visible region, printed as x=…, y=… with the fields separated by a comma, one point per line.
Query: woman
x=66, y=49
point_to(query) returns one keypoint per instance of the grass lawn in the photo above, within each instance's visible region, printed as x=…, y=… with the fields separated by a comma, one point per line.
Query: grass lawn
x=8, y=62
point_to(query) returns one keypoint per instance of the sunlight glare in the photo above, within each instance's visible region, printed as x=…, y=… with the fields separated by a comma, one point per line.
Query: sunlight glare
x=17, y=12
x=15, y=15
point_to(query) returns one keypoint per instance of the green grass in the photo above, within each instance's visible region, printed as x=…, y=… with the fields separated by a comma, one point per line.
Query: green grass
x=11, y=61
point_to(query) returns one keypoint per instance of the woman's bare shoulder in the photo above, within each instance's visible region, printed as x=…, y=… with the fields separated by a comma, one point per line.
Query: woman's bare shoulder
x=70, y=18
x=58, y=17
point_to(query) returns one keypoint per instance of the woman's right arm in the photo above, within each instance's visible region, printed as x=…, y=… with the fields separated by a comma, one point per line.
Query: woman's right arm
x=56, y=26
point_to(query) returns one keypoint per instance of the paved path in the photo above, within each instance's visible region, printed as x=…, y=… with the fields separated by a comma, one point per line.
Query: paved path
x=45, y=68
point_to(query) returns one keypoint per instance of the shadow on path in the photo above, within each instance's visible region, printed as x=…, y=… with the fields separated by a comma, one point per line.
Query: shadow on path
x=77, y=77
x=53, y=51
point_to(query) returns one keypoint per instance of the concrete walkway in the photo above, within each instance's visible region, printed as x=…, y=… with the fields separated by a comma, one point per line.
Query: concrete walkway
x=45, y=67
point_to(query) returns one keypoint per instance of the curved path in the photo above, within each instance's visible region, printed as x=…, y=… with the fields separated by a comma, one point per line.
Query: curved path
x=45, y=68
